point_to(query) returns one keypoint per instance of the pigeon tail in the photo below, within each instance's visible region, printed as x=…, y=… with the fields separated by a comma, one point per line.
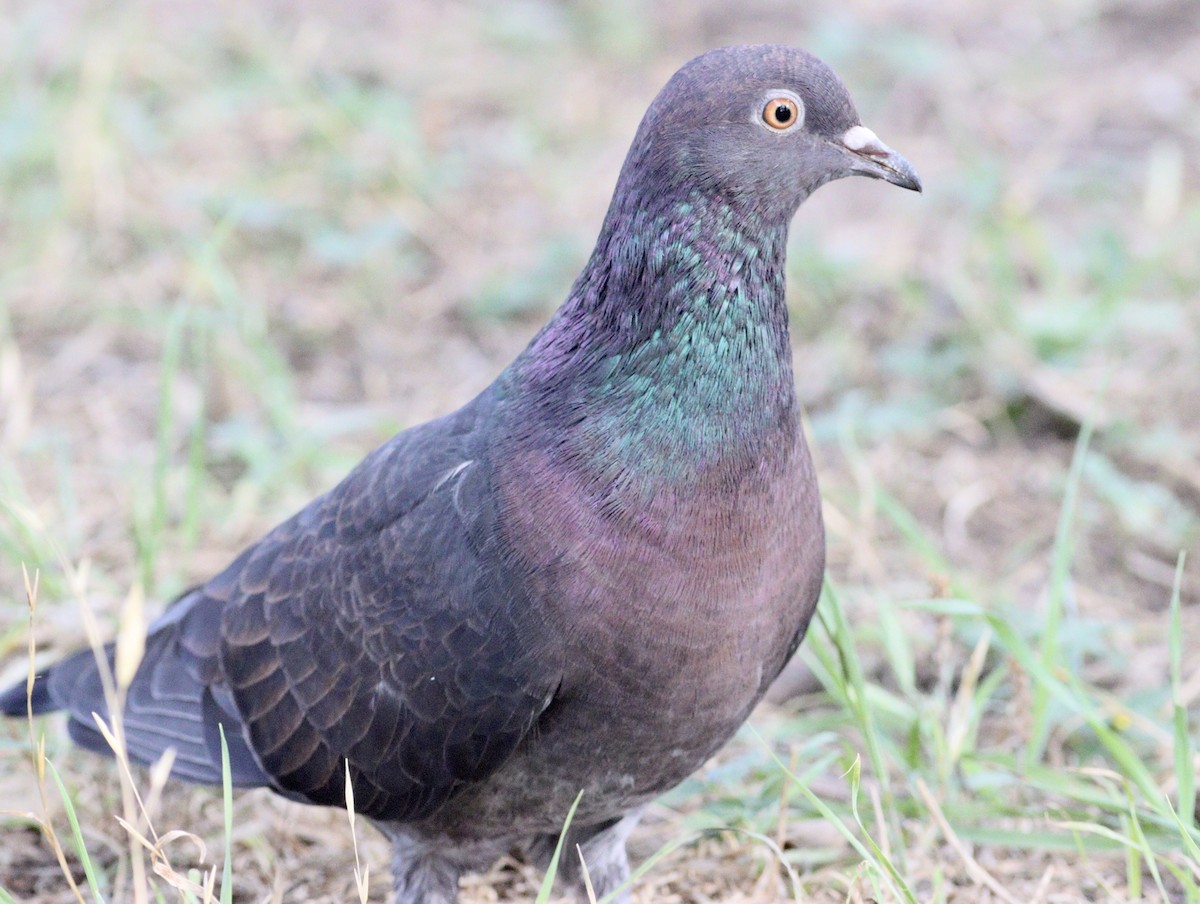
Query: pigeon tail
x=19, y=699
x=166, y=707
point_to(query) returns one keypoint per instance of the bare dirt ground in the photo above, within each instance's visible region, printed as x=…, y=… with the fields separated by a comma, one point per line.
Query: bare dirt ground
x=241, y=245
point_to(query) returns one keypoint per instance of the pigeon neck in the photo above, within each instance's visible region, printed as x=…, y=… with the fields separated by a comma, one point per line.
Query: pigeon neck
x=674, y=342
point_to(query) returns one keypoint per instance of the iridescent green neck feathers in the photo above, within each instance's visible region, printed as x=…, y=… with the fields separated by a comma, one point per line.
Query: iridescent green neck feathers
x=670, y=358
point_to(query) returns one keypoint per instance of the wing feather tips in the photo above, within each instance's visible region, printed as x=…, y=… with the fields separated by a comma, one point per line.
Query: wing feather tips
x=18, y=700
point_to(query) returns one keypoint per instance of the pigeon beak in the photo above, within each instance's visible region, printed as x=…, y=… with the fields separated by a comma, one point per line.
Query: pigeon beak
x=877, y=160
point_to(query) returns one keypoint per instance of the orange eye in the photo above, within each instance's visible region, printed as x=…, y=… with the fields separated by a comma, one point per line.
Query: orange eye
x=781, y=113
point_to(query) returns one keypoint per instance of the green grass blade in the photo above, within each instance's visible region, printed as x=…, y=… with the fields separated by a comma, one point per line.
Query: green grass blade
x=89, y=869
x=1060, y=572
x=552, y=870
x=1185, y=756
x=879, y=856
x=897, y=885
x=149, y=530
x=898, y=647
x=1187, y=833
x=839, y=633
x=1127, y=760
x=1147, y=851
x=227, y=804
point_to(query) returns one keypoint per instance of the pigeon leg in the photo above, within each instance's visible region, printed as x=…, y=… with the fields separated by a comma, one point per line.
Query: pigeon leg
x=423, y=871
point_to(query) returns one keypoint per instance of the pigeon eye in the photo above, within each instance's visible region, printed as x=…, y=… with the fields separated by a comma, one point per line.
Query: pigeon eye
x=781, y=113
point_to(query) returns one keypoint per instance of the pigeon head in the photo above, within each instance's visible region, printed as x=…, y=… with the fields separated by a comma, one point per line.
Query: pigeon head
x=671, y=356
x=766, y=125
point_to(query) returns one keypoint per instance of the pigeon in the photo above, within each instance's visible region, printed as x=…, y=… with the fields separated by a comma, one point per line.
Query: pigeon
x=578, y=585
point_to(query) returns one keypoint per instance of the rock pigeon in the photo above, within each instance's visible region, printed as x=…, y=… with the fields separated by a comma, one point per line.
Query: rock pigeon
x=582, y=580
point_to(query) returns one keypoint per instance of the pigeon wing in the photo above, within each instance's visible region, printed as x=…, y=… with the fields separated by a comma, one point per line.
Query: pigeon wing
x=385, y=627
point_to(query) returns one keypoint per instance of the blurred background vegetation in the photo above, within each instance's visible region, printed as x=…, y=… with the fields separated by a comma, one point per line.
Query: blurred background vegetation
x=241, y=244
